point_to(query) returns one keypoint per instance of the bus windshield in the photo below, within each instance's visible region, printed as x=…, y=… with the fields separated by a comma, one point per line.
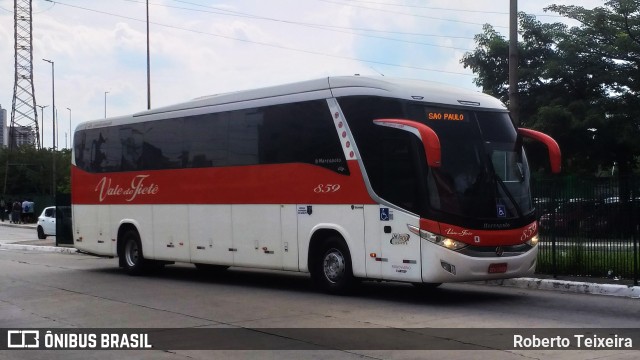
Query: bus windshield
x=483, y=176
x=484, y=171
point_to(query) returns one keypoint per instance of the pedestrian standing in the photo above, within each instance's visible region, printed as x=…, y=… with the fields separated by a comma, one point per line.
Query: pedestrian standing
x=17, y=210
x=30, y=211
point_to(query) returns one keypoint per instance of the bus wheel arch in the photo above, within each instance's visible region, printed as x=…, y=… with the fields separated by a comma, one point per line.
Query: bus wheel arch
x=330, y=262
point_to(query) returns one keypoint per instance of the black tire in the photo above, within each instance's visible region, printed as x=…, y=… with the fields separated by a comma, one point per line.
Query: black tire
x=41, y=234
x=331, y=268
x=133, y=260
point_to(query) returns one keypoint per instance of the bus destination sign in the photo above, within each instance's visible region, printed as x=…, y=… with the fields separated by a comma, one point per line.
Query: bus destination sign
x=445, y=115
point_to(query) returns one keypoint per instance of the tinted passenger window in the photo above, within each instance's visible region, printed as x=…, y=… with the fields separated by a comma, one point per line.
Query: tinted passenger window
x=163, y=146
x=300, y=132
x=244, y=131
x=132, y=143
x=98, y=150
x=206, y=140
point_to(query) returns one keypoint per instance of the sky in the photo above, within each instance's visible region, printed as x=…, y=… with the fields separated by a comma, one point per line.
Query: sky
x=204, y=47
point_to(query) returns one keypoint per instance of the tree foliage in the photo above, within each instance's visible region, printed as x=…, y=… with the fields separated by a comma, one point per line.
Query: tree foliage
x=28, y=171
x=580, y=84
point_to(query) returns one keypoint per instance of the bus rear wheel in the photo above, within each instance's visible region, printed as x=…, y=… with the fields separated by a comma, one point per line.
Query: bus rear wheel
x=332, y=268
x=134, y=261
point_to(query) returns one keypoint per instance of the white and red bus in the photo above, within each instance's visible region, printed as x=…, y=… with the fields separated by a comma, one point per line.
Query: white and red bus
x=343, y=177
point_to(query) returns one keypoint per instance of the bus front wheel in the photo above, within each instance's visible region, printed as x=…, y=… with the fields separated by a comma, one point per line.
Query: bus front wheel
x=332, y=268
x=134, y=261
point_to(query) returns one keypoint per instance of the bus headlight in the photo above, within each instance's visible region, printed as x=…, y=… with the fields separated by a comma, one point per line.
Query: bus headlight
x=452, y=244
x=533, y=241
x=448, y=243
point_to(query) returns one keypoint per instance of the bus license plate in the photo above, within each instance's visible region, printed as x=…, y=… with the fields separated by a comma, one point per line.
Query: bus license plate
x=498, y=268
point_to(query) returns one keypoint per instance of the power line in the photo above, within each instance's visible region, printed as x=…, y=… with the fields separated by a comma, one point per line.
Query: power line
x=315, y=26
x=263, y=43
x=412, y=15
x=444, y=9
x=34, y=12
x=326, y=25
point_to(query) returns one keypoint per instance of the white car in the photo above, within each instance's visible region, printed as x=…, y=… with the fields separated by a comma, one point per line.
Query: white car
x=47, y=223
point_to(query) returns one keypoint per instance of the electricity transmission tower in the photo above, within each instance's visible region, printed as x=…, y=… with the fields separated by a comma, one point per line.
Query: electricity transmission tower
x=23, y=129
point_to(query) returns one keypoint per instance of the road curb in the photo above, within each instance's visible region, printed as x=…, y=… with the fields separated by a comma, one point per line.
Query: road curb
x=55, y=249
x=570, y=286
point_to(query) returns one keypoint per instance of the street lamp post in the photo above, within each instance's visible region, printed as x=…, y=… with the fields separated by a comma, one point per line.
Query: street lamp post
x=53, y=162
x=105, y=104
x=53, y=95
x=69, y=127
x=148, y=63
x=41, y=134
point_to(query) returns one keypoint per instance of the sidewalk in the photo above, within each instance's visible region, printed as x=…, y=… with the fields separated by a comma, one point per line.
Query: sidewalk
x=44, y=245
x=542, y=282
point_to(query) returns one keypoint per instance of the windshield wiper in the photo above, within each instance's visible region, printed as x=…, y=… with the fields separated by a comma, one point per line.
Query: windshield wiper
x=504, y=188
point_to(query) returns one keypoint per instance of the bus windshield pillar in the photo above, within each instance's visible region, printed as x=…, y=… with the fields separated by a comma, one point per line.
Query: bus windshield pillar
x=554, y=150
x=427, y=136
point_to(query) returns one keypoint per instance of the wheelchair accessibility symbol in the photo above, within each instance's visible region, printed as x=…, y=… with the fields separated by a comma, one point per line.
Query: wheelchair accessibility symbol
x=384, y=214
x=502, y=211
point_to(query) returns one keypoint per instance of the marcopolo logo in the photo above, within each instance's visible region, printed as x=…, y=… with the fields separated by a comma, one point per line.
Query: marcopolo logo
x=399, y=239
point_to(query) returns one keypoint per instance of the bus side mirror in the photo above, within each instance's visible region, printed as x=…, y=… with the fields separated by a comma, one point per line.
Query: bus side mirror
x=427, y=136
x=554, y=150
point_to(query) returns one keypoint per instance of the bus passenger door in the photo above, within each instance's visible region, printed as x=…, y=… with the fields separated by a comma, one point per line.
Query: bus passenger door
x=210, y=234
x=400, y=249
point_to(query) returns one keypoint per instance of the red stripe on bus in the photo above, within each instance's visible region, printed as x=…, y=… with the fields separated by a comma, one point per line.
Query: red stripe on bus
x=259, y=184
x=488, y=237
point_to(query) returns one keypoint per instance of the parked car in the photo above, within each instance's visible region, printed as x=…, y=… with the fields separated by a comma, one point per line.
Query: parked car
x=47, y=220
x=568, y=216
x=612, y=219
x=47, y=223
x=543, y=206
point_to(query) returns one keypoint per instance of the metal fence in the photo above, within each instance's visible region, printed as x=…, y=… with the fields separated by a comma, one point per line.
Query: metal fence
x=589, y=226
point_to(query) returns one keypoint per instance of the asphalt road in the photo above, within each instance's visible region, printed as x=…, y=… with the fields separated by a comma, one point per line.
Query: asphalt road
x=52, y=290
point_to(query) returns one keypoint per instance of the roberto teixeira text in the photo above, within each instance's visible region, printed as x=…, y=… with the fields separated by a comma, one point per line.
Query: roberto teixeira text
x=611, y=341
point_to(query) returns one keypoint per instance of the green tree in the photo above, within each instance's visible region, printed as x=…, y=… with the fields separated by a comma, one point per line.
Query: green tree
x=27, y=171
x=578, y=84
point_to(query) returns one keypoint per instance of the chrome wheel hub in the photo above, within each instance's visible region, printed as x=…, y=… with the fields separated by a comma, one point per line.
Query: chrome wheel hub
x=333, y=265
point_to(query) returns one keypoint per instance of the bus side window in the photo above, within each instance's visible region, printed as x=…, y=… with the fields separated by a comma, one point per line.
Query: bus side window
x=131, y=142
x=244, y=128
x=163, y=144
x=301, y=133
x=205, y=140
